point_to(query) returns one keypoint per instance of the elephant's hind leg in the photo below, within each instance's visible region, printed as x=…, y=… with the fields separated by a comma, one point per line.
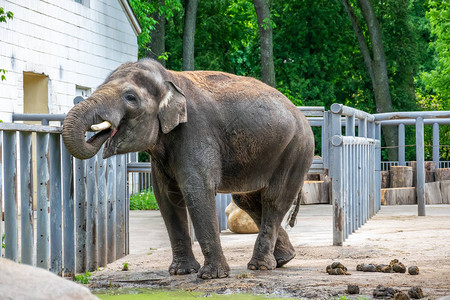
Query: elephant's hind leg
x=284, y=251
x=251, y=204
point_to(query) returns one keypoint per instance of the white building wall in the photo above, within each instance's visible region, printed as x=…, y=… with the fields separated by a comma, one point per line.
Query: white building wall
x=71, y=43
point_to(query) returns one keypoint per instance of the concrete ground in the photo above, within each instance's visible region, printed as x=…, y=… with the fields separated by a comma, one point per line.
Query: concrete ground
x=396, y=232
x=313, y=227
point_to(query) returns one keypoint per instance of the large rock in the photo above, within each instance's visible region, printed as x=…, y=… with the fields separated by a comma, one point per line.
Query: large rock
x=19, y=281
x=239, y=221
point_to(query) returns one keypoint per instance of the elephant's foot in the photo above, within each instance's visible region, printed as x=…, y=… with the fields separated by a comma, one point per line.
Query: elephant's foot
x=284, y=251
x=214, y=270
x=283, y=255
x=183, y=267
x=268, y=263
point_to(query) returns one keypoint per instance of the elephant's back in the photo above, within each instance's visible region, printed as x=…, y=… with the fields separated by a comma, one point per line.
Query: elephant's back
x=243, y=98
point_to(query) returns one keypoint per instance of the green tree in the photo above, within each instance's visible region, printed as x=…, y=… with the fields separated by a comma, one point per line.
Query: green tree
x=265, y=26
x=190, y=19
x=436, y=82
x=148, y=12
x=4, y=17
x=375, y=60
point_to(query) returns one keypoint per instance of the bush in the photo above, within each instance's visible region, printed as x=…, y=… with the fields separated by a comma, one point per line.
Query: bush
x=145, y=200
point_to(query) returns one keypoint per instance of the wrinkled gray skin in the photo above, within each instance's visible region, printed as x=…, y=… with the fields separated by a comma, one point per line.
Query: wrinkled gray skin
x=206, y=132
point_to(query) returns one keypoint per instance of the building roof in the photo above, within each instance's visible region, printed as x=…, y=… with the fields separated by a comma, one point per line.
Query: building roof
x=131, y=16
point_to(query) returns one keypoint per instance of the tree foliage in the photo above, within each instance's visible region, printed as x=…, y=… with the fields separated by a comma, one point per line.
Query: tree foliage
x=4, y=17
x=436, y=82
x=317, y=58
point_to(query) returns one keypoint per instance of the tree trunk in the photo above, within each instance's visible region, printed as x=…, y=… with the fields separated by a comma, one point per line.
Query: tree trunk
x=190, y=16
x=376, y=65
x=262, y=8
x=157, y=43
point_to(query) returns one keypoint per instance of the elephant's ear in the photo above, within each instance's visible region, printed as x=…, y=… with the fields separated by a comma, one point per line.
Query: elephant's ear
x=172, y=108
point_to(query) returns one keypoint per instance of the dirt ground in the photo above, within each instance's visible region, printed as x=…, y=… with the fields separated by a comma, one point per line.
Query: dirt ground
x=396, y=232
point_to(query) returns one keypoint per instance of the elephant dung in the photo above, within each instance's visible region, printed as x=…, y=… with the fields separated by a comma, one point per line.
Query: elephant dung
x=415, y=292
x=413, y=270
x=337, y=268
x=352, y=289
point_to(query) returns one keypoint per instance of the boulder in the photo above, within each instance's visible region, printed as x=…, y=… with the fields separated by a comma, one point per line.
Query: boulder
x=239, y=221
x=19, y=281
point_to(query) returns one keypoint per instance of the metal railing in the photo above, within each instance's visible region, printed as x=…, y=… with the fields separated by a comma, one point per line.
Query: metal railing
x=386, y=165
x=419, y=119
x=81, y=216
x=352, y=160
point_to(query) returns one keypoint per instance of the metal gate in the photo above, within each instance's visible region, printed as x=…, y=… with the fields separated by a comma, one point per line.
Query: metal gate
x=354, y=169
x=80, y=220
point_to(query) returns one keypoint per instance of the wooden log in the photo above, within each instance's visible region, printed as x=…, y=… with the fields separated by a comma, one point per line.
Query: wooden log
x=384, y=179
x=430, y=168
x=445, y=191
x=442, y=174
x=401, y=176
x=312, y=177
x=433, y=193
x=316, y=192
x=398, y=196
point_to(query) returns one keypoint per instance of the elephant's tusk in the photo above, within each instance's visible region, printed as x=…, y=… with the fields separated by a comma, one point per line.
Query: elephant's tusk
x=101, y=126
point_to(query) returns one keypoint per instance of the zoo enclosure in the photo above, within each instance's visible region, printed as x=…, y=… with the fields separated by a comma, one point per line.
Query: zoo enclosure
x=75, y=198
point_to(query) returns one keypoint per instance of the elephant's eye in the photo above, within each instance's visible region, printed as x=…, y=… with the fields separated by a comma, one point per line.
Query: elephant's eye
x=130, y=98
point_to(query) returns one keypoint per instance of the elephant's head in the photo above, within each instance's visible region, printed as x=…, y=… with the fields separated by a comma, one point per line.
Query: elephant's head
x=137, y=102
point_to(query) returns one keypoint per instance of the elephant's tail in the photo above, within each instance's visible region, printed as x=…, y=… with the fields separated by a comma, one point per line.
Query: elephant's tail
x=294, y=212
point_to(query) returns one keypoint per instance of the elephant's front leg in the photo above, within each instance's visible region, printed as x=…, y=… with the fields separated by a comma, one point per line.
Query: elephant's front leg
x=173, y=210
x=200, y=199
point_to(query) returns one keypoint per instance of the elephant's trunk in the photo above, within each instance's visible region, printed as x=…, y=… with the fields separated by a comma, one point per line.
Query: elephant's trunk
x=77, y=122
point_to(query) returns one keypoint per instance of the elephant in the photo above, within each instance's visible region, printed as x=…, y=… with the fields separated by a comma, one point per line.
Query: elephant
x=206, y=132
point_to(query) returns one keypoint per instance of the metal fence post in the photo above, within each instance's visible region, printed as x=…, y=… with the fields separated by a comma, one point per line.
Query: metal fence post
x=55, y=205
x=68, y=212
x=111, y=196
x=436, y=144
x=378, y=166
x=10, y=155
x=120, y=205
x=26, y=197
x=336, y=169
x=43, y=201
x=401, y=145
x=91, y=214
x=420, y=166
x=350, y=126
x=80, y=215
x=102, y=215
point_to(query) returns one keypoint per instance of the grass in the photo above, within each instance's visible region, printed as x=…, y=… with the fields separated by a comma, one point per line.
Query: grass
x=83, y=278
x=145, y=200
x=125, y=267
